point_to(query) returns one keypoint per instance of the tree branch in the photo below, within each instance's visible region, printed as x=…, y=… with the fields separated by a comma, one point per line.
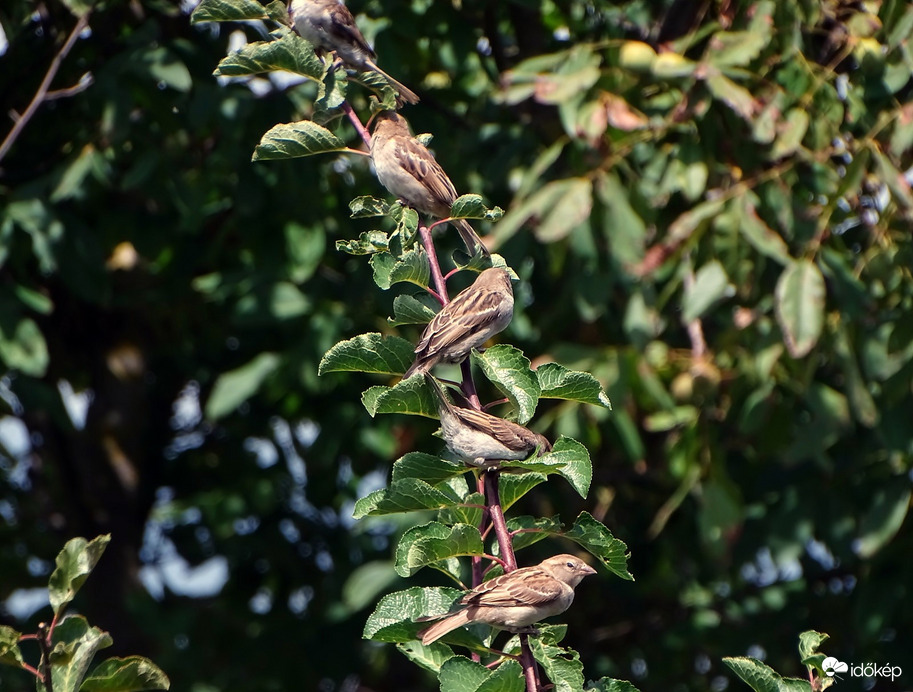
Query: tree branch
x=45, y=85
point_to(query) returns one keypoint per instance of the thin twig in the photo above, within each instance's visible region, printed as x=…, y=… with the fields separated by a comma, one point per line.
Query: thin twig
x=45, y=85
x=439, y=284
x=353, y=118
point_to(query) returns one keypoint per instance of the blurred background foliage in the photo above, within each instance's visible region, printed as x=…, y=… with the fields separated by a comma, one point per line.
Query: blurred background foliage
x=710, y=204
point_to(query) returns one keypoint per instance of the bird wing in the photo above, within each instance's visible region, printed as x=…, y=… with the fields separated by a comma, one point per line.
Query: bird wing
x=529, y=586
x=345, y=31
x=468, y=313
x=417, y=161
x=509, y=434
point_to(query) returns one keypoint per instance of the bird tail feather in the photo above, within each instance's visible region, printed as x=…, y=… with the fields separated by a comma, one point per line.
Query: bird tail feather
x=470, y=238
x=439, y=629
x=405, y=92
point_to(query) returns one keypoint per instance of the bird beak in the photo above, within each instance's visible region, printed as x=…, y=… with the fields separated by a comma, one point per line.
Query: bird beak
x=588, y=570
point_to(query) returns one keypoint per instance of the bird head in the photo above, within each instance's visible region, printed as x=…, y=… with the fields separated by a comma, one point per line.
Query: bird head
x=567, y=568
x=390, y=123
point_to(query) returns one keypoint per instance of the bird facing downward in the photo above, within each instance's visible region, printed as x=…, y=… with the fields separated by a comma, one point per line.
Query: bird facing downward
x=330, y=26
x=468, y=321
x=518, y=599
x=479, y=437
x=408, y=170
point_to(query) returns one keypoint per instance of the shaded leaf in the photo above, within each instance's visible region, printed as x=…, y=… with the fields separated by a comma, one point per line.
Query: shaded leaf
x=471, y=207
x=800, y=294
x=74, y=645
x=568, y=458
x=227, y=10
x=430, y=657
x=411, y=310
x=368, y=243
x=888, y=509
x=562, y=665
x=74, y=564
x=9, y=647
x=235, y=387
x=425, y=467
x=129, y=674
x=710, y=286
x=763, y=678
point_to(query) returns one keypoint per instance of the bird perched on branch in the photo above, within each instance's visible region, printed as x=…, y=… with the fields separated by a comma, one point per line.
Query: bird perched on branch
x=516, y=600
x=468, y=321
x=330, y=26
x=479, y=437
x=408, y=170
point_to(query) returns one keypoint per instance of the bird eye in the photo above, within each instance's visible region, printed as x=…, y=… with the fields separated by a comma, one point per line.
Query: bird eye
x=570, y=564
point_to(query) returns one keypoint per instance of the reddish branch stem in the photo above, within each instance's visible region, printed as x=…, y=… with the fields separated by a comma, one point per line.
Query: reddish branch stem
x=356, y=123
x=493, y=500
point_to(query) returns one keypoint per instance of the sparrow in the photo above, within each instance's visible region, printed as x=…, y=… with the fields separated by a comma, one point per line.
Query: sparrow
x=480, y=438
x=330, y=26
x=516, y=600
x=408, y=170
x=468, y=321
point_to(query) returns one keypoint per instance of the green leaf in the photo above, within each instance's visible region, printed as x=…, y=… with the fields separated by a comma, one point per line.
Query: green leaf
x=425, y=467
x=510, y=371
x=558, y=382
x=763, y=678
x=74, y=645
x=800, y=295
x=790, y=133
x=411, y=310
x=74, y=564
x=293, y=140
x=365, y=207
x=290, y=53
x=407, y=495
x=424, y=545
x=761, y=237
x=236, y=386
x=373, y=352
x=562, y=666
x=738, y=98
x=555, y=209
x=428, y=657
x=129, y=674
x=459, y=674
x=568, y=458
x=888, y=509
x=24, y=349
x=366, y=582
x=809, y=642
x=471, y=207
x=710, y=286
x=514, y=486
x=227, y=11
x=393, y=619
x=598, y=540
x=610, y=685
x=368, y=243
x=534, y=529
x=736, y=48
x=410, y=397
x=9, y=647
x=411, y=266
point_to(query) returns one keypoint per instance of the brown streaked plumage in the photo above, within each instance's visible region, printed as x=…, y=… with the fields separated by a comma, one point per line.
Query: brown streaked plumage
x=330, y=26
x=518, y=599
x=468, y=321
x=481, y=438
x=408, y=170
